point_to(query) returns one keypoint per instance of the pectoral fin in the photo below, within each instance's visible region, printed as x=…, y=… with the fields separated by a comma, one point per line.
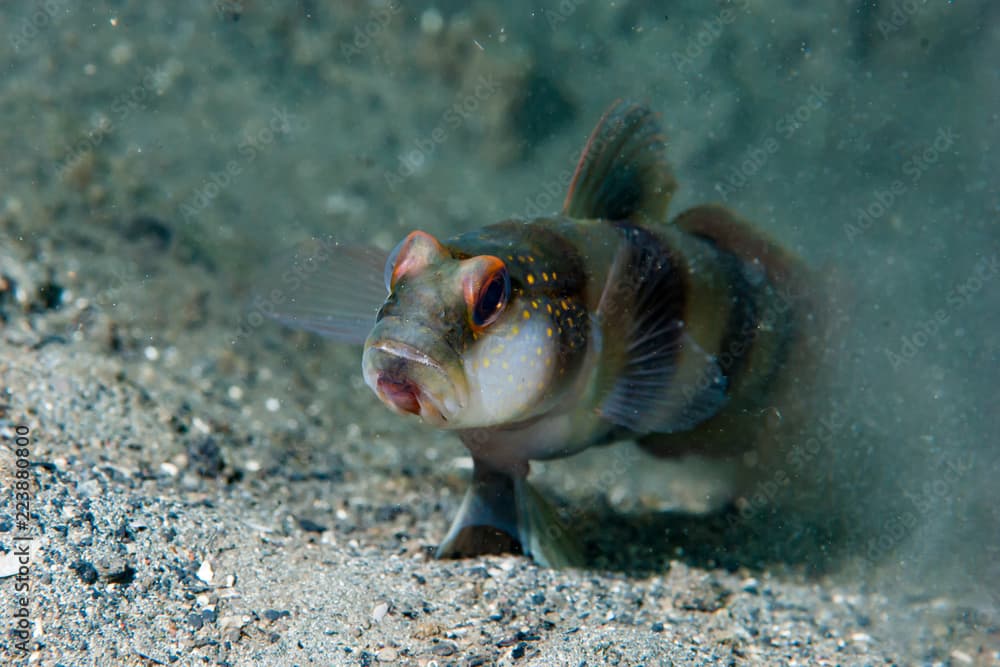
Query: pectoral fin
x=659, y=378
x=326, y=287
x=504, y=514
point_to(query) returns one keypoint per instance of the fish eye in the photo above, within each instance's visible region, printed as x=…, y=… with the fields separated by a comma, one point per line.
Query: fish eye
x=492, y=298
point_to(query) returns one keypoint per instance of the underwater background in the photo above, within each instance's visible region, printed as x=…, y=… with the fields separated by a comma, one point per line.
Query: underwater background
x=209, y=488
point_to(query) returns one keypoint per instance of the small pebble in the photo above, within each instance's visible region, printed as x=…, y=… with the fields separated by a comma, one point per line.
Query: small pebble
x=311, y=526
x=85, y=570
x=274, y=614
x=657, y=627
x=272, y=404
x=205, y=572
x=9, y=565
x=444, y=649
x=962, y=656
x=379, y=612
x=518, y=651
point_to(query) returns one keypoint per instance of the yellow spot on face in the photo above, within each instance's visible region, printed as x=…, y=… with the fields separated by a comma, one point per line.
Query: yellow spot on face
x=534, y=304
x=545, y=276
x=538, y=351
x=505, y=365
x=548, y=362
x=486, y=363
x=531, y=279
x=553, y=275
x=541, y=385
x=548, y=307
x=531, y=259
x=497, y=350
x=563, y=305
x=510, y=378
x=510, y=258
x=548, y=331
x=569, y=321
x=525, y=314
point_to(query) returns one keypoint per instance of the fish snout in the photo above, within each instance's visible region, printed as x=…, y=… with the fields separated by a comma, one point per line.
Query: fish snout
x=410, y=380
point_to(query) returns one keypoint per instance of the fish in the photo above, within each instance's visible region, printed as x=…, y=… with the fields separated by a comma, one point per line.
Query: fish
x=536, y=339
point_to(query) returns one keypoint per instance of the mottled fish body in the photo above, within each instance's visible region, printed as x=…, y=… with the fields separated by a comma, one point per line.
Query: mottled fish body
x=538, y=339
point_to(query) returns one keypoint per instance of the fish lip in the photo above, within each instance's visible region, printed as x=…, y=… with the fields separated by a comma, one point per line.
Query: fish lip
x=408, y=352
x=433, y=409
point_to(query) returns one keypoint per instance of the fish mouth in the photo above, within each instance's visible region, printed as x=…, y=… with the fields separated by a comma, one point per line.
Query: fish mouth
x=410, y=381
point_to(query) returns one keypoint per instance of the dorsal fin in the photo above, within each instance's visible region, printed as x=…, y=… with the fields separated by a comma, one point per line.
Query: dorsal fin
x=623, y=170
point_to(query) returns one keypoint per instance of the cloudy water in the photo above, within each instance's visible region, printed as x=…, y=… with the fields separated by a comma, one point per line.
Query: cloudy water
x=185, y=479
